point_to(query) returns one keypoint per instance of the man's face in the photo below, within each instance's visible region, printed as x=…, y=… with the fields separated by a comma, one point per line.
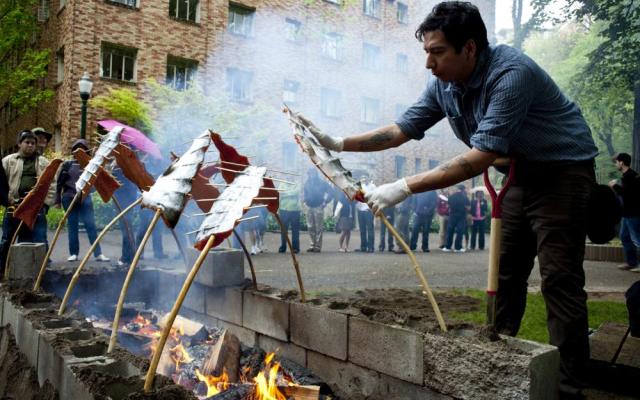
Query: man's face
x=27, y=147
x=443, y=60
x=42, y=142
x=619, y=165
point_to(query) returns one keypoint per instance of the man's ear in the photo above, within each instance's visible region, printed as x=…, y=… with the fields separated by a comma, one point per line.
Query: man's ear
x=470, y=49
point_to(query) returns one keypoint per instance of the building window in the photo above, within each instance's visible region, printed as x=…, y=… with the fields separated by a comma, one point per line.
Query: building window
x=332, y=46
x=240, y=20
x=60, y=65
x=292, y=30
x=371, y=8
x=401, y=162
x=330, y=102
x=370, y=111
x=118, y=63
x=43, y=10
x=418, y=165
x=62, y=4
x=239, y=84
x=186, y=10
x=433, y=164
x=180, y=73
x=57, y=138
x=400, y=109
x=290, y=92
x=371, y=57
x=129, y=3
x=402, y=63
x=289, y=152
x=403, y=13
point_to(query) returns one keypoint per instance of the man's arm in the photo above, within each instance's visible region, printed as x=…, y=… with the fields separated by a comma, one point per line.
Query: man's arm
x=378, y=139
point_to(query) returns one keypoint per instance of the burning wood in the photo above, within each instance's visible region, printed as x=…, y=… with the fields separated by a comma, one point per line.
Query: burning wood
x=224, y=358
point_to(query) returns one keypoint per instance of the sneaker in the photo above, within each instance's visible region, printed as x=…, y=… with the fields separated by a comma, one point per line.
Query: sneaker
x=446, y=249
x=426, y=251
x=122, y=263
x=636, y=269
x=282, y=250
x=254, y=251
x=73, y=257
x=462, y=250
x=626, y=267
x=102, y=258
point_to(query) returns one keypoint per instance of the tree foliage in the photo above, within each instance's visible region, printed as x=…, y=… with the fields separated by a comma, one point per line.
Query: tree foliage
x=522, y=30
x=21, y=65
x=124, y=106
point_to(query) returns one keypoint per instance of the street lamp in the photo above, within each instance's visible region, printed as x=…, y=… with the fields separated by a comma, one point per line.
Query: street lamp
x=85, y=85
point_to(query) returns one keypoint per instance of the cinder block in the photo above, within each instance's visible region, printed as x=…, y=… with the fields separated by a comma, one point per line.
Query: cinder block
x=28, y=340
x=26, y=259
x=222, y=267
x=392, y=351
x=224, y=303
x=50, y=362
x=10, y=315
x=346, y=379
x=289, y=351
x=195, y=298
x=544, y=367
x=169, y=285
x=319, y=329
x=265, y=314
x=246, y=336
x=393, y=388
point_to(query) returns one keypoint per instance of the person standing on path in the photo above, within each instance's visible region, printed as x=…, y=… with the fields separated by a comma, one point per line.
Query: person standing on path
x=458, y=209
x=365, y=221
x=443, y=216
x=345, y=213
x=316, y=194
x=629, y=191
x=425, y=207
x=403, y=214
x=290, y=215
x=478, y=211
x=388, y=212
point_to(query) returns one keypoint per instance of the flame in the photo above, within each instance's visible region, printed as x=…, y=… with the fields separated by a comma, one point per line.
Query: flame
x=215, y=384
x=267, y=389
x=179, y=355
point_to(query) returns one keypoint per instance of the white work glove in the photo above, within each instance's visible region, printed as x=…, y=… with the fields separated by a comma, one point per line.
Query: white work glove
x=387, y=195
x=333, y=143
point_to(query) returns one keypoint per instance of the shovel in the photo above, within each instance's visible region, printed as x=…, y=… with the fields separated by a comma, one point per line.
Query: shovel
x=495, y=240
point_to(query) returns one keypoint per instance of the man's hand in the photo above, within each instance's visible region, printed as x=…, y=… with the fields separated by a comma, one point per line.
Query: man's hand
x=613, y=182
x=387, y=195
x=333, y=143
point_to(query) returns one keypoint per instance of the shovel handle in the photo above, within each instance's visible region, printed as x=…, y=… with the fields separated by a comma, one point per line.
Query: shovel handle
x=496, y=199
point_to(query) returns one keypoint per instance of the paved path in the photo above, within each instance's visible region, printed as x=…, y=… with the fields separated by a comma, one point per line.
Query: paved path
x=331, y=270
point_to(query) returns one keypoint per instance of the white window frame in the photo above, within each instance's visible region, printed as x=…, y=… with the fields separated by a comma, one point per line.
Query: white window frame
x=126, y=53
x=176, y=14
x=60, y=65
x=290, y=91
x=372, y=8
x=371, y=57
x=332, y=46
x=43, y=10
x=330, y=102
x=370, y=110
x=292, y=29
x=402, y=17
x=241, y=20
x=239, y=81
x=61, y=4
x=128, y=3
x=174, y=64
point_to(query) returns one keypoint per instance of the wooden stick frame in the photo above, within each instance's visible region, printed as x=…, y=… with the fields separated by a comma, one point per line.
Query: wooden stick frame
x=296, y=266
x=151, y=373
x=76, y=275
x=13, y=241
x=249, y=260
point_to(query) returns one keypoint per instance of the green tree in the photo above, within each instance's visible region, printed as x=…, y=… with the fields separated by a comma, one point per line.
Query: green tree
x=521, y=30
x=21, y=65
x=125, y=106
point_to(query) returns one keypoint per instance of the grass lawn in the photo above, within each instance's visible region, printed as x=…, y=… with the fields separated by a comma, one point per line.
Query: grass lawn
x=534, y=323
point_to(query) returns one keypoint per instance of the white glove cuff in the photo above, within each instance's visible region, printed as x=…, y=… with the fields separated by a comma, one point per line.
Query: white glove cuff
x=402, y=182
x=338, y=143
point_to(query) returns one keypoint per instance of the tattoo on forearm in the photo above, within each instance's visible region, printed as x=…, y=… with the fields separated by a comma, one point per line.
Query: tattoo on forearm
x=445, y=167
x=467, y=168
x=375, y=141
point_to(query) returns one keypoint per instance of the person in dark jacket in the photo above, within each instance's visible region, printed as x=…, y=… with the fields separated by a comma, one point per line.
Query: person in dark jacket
x=70, y=171
x=125, y=195
x=154, y=168
x=478, y=211
x=458, y=208
x=629, y=191
x=425, y=207
x=346, y=217
x=403, y=214
x=316, y=195
x=633, y=306
x=4, y=188
x=390, y=213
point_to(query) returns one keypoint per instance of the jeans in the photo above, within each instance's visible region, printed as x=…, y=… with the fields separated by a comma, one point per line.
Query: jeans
x=458, y=225
x=290, y=219
x=548, y=217
x=421, y=225
x=156, y=236
x=384, y=231
x=630, y=238
x=367, y=234
x=315, y=223
x=402, y=226
x=81, y=211
x=9, y=226
x=477, y=230
x=128, y=248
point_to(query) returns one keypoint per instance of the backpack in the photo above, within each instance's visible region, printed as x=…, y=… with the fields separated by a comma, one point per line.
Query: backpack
x=605, y=212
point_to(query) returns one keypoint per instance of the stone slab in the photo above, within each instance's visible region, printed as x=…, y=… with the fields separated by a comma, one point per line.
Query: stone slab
x=393, y=388
x=195, y=298
x=265, y=314
x=224, y=303
x=393, y=351
x=29, y=341
x=169, y=285
x=319, y=329
x=247, y=336
x=347, y=380
x=222, y=267
x=282, y=349
x=606, y=341
x=26, y=259
x=544, y=367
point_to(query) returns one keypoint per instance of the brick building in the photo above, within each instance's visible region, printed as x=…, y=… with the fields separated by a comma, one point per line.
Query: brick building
x=349, y=67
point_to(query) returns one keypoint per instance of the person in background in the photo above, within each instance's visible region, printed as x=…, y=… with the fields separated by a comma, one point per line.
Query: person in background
x=443, y=216
x=425, y=207
x=633, y=306
x=43, y=138
x=345, y=213
x=403, y=214
x=125, y=195
x=155, y=169
x=365, y=220
x=458, y=209
x=478, y=211
x=316, y=195
x=388, y=212
x=22, y=170
x=629, y=191
x=4, y=188
x=261, y=228
x=290, y=216
x=70, y=171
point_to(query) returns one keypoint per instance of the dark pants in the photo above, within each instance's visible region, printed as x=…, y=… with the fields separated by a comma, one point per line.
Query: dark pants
x=9, y=226
x=633, y=305
x=390, y=214
x=128, y=248
x=457, y=225
x=477, y=230
x=290, y=220
x=421, y=224
x=630, y=238
x=146, y=215
x=365, y=222
x=81, y=211
x=547, y=217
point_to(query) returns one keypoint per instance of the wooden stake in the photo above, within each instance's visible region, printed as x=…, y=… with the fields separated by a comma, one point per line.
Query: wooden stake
x=293, y=257
x=127, y=226
x=13, y=241
x=180, y=248
x=274, y=170
x=127, y=280
x=246, y=253
x=416, y=267
x=43, y=267
x=84, y=261
x=151, y=373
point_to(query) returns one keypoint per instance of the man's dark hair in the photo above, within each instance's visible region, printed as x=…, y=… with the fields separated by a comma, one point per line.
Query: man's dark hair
x=459, y=21
x=623, y=158
x=26, y=134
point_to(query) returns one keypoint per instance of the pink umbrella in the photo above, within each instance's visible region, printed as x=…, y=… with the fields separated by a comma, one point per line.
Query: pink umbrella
x=133, y=137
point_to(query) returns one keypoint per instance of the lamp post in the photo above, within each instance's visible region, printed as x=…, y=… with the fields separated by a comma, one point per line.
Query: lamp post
x=85, y=85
